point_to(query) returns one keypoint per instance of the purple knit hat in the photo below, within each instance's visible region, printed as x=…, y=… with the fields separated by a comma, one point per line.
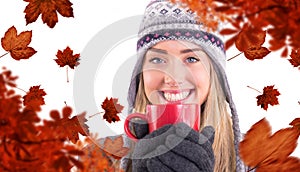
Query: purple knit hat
x=164, y=20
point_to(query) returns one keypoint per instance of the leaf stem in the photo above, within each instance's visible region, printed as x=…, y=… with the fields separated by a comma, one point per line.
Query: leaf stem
x=95, y=114
x=3, y=54
x=67, y=75
x=235, y=56
x=21, y=89
x=251, y=169
x=254, y=89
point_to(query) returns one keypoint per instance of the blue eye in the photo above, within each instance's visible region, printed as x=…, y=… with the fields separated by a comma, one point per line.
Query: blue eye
x=192, y=60
x=157, y=60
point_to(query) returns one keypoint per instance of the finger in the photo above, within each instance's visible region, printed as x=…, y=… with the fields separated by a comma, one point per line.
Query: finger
x=202, y=157
x=139, y=165
x=150, y=142
x=186, y=132
x=209, y=132
x=154, y=165
x=177, y=162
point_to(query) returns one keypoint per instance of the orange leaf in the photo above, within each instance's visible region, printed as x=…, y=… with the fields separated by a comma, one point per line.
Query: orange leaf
x=296, y=123
x=228, y=31
x=48, y=9
x=34, y=98
x=17, y=45
x=289, y=164
x=295, y=57
x=230, y=42
x=285, y=52
x=66, y=57
x=256, y=53
x=95, y=158
x=250, y=37
x=112, y=108
x=269, y=96
x=64, y=127
x=260, y=149
x=115, y=147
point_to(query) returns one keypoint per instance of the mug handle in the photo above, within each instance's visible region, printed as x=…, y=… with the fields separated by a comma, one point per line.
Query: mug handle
x=126, y=124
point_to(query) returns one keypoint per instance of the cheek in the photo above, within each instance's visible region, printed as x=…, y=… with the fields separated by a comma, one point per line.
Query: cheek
x=201, y=80
x=152, y=81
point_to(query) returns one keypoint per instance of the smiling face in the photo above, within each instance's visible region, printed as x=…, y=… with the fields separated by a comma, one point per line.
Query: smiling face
x=176, y=72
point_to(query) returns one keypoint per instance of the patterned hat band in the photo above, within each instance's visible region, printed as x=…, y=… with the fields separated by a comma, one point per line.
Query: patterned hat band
x=181, y=34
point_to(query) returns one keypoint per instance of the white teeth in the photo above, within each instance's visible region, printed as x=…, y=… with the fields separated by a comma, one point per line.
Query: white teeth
x=177, y=96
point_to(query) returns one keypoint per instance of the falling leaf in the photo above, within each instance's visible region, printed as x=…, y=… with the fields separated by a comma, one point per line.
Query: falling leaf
x=66, y=127
x=115, y=147
x=295, y=57
x=249, y=37
x=262, y=150
x=17, y=45
x=48, y=10
x=256, y=53
x=296, y=123
x=34, y=98
x=269, y=97
x=66, y=57
x=112, y=108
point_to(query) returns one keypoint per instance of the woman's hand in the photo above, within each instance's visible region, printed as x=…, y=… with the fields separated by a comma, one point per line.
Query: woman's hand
x=175, y=148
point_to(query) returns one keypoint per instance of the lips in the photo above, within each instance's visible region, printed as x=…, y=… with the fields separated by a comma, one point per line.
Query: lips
x=175, y=95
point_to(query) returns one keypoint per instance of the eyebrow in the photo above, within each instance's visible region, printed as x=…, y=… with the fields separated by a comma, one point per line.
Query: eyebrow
x=182, y=51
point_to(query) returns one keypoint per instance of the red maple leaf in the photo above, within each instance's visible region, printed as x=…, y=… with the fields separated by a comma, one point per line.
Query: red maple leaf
x=112, y=108
x=266, y=152
x=66, y=57
x=34, y=98
x=48, y=9
x=269, y=96
x=295, y=57
x=17, y=45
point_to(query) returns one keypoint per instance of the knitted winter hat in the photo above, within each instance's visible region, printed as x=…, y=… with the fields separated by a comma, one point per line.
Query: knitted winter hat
x=164, y=20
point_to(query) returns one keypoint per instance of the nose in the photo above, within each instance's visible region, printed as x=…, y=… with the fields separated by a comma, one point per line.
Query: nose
x=175, y=74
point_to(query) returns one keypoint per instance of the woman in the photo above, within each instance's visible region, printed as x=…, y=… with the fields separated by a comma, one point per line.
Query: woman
x=176, y=53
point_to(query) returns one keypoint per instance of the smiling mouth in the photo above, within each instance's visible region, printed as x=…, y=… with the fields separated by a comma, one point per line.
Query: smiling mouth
x=175, y=95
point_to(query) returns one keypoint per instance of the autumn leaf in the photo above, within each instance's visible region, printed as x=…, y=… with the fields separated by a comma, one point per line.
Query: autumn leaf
x=34, y=98
x=66, y=57
x=17, y=45
x=296, y=123
x=295, y=57
x=250, y=41
x=262, y=150
x=269, y=97
x=6, y=79
x=65, y=127
x=249, y=37
x=112, y=108
x=256, y=53
x=94, y=158
x=48, y=10
x=115, y=147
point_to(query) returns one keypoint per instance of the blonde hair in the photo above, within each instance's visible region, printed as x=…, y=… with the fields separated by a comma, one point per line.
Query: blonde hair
x=215, y=113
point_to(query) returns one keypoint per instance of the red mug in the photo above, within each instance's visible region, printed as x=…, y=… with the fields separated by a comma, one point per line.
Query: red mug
x=160, y=115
